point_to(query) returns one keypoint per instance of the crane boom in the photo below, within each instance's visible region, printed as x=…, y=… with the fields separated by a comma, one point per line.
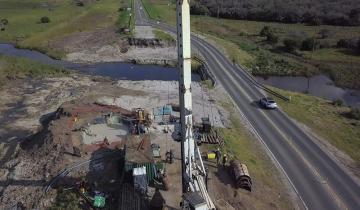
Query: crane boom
x=193, y=185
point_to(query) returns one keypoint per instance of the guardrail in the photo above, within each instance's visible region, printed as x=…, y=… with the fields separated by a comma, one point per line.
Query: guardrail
x=259, y=85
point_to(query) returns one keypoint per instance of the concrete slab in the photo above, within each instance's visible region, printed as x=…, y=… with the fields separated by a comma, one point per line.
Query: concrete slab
x=96, y=133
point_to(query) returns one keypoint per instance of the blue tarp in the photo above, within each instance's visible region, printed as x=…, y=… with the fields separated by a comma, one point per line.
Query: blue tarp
x=163, y=110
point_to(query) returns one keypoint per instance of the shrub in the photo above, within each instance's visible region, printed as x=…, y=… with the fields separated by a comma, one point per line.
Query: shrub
x=346, y=43
x=308, y=44
x=45, y=19
x=80, y=3
x=338, y=102
x=269, y=33
x=324, y=44
x=324, y=33
x=265, y=31
x=4, y=21
x=355, y=113
x=290, y=45
x=66, y=200
x=198, y=9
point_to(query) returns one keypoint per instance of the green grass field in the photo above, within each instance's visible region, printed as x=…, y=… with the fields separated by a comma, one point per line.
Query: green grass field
x=163, y=36
x=241, y=42
x=66, y=18
x=326, y=120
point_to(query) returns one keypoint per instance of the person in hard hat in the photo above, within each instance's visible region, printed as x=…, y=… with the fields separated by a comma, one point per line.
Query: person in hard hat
x=224, y=160
x=218, y=156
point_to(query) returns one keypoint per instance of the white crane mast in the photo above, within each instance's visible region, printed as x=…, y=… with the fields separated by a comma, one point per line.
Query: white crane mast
x=184, y=64
x=192, y=173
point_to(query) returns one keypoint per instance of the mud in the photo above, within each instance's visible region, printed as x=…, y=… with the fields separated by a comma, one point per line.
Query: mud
x=107, y=45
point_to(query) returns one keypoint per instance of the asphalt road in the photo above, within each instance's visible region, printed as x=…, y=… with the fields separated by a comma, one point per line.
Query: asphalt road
x=317, y=179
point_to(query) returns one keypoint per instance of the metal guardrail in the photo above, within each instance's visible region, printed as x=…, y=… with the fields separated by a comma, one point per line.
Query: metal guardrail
x=259, y=85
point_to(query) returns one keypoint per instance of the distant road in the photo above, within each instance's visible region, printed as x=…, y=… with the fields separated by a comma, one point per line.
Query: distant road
x=319, y=181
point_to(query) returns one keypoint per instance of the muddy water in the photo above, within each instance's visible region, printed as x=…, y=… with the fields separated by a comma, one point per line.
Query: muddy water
x=321, y=86
x=115, y=70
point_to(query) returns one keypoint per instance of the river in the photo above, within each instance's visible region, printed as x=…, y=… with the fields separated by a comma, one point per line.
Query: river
x=321, y=86
x=115, y=70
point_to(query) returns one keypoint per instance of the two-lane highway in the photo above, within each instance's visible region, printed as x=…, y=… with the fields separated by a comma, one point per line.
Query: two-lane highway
x=317, y=179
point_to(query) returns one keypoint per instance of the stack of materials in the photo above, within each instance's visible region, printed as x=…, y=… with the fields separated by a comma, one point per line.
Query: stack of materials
x=162, y=114
x=212, y=137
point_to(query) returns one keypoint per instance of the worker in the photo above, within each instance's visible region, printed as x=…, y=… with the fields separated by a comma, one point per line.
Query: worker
x=218, y=156
x=224, y=160
x=106, y=141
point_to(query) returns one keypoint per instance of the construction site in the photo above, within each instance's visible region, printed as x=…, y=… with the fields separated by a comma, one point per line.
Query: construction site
x=113, y=157
x=130, y=146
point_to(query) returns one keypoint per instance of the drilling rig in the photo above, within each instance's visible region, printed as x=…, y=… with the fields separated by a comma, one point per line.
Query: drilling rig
x=195, y=195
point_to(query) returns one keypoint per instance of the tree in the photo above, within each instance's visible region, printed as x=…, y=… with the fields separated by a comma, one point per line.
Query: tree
x=45, y=19
x=347, y=43
x=290, y=45
x=355, y=113
x=265, y=31
x=354, y=17
x=269, y=33
x=308, y=44
x=4, y=21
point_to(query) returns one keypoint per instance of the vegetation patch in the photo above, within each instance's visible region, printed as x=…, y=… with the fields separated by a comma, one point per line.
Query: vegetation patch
x=163, y=36
x=16, y=67
x=59, y=18
x=337, y=12
x=66, y=199
x=239, y=144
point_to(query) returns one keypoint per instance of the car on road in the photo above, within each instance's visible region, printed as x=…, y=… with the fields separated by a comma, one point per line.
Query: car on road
x=268, y=103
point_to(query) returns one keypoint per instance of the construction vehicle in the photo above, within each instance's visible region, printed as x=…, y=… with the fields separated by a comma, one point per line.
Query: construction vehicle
x=195, y=195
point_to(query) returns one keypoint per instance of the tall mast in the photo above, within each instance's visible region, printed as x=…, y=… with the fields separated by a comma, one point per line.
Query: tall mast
x=184, y=65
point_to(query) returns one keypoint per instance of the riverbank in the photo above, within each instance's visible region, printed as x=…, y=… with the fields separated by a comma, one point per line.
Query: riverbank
x=88, y=33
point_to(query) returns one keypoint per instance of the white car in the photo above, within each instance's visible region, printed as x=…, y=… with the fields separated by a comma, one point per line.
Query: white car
x=268, y=103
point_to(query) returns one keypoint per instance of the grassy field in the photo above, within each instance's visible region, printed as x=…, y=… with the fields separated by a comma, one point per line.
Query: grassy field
x=163, y=36
x=25, y=29
x=326, y=120
x=243, y=45
x=14, y=67
x=161, y=10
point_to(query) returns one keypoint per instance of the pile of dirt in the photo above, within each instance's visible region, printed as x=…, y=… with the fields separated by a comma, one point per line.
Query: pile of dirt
x=38, y=159
x=45, y=154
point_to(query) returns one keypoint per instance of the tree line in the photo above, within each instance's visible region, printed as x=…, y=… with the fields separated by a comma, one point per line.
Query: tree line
x=318, y=12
